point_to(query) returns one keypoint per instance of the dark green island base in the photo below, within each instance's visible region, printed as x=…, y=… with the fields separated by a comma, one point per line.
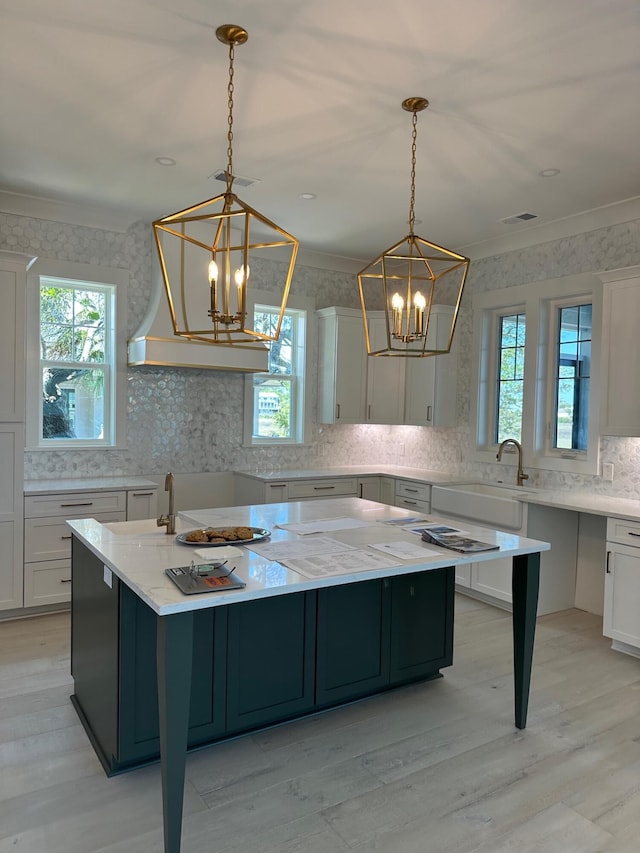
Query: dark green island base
x=253, y=663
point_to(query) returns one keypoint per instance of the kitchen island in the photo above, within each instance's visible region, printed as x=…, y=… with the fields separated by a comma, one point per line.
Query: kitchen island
x=285, y=645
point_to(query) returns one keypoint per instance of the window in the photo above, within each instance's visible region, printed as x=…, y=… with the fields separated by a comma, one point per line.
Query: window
x=73, y=367
x=509, y=396
x=572, y=378
x=275, y=401
x=535, y=356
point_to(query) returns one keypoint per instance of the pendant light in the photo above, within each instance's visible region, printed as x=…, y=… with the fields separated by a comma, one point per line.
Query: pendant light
x=407, y=280
x=211, y=253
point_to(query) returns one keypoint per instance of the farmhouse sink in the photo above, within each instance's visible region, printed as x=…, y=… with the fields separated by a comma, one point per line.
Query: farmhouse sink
x=487, y=503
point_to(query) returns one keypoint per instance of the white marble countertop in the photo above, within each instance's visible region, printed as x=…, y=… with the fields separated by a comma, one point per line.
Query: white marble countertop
x=86, y=484
x=422, y=475
x=138, y=552
x=576, y=500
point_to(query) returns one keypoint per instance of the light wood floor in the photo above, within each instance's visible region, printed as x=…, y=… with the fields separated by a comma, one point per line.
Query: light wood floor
x=430, y=768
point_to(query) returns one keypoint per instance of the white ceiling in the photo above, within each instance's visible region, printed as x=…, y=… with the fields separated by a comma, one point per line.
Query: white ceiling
x=92, y=91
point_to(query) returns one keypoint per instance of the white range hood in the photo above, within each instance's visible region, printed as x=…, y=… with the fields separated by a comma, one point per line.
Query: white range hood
x=154, y=343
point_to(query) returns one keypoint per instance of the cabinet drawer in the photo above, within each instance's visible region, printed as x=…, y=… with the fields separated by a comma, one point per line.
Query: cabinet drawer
x=625, y=532
x=75, y=504
x=411, y=489
x=48, y=582
x=416, y=505
x=50, y=538
x=322, y=488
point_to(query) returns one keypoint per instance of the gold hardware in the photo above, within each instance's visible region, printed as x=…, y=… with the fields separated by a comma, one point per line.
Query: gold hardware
x=217, y=243
x=410, y=278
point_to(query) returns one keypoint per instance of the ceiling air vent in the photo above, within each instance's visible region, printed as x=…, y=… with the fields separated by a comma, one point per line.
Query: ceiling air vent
x=238, y=180
x=519, y=217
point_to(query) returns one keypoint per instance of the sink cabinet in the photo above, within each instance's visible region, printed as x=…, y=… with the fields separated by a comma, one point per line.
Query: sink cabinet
x=255, y=663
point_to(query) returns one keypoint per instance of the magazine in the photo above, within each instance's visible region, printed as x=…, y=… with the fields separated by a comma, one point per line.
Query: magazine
x=453, y=540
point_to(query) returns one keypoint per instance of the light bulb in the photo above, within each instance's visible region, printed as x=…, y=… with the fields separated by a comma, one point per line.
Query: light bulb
x=397, y=302
x=239, y=275
x=419, y=301
x=213, y=272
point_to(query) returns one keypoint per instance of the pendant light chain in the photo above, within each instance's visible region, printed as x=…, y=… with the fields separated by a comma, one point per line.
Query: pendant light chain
x=230, y=121
x=414, y=136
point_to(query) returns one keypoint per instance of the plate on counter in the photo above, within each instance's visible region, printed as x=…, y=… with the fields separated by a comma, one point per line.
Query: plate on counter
x=214, y=539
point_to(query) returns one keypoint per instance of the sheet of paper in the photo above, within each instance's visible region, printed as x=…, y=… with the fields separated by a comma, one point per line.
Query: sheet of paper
x=404, y=550
x=324, y=565
x=324, y=525
x=439, y=528
x=281, y=552
x=408, y=520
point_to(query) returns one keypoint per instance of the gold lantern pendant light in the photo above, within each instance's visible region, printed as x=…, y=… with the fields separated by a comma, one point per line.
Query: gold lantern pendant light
x=210, y=254
x=407, y=280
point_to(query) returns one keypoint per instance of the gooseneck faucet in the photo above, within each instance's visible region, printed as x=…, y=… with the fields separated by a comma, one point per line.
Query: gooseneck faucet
x=521, y=475
x=168, y=521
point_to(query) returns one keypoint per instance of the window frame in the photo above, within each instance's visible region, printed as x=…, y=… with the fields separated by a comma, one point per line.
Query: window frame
x=539, y=301
x=114, y=282
x=304, y=308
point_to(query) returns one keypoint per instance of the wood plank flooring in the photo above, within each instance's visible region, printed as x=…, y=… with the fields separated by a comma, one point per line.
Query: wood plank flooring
x=431, y=768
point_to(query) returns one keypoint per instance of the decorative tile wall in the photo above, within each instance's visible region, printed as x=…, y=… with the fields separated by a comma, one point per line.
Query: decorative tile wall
x=191, y=420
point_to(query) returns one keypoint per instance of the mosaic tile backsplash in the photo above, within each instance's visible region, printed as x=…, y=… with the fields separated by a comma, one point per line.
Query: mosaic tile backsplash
x=191, y=420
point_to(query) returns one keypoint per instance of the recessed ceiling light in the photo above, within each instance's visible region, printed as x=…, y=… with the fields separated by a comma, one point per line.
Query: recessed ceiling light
x=165, y=161
x=307, y=196
x=549, y=173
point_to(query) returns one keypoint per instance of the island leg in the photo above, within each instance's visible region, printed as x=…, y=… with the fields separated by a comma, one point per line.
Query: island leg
x=175, y=655
x=525, y=585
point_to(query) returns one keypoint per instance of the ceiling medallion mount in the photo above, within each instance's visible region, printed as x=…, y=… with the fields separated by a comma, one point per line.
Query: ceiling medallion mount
x=405, y=282
x=415, y=105
x=231, y=34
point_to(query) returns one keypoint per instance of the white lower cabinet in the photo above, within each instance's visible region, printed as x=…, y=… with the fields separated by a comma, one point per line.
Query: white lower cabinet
x=47, y=539
x=254, y=490
x=369, y=488
x=413, y=495
x=491, y=581
x=621, y=620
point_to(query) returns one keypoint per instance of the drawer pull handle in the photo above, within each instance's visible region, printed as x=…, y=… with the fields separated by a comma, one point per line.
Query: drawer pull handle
x=142, y=494
x=65, y=580
x=66, y=537
x=633, y=534
x=413, y=491
x=323, y=488
x=89, y=503
x=412, y=503
x=608, y=568
x=429, y=410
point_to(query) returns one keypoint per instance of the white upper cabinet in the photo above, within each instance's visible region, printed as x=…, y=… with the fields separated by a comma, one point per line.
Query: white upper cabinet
x=620, y=396
x=355, y=388
x=341, y=366
x=385, y=379
x=432, y=383
x=13, y=269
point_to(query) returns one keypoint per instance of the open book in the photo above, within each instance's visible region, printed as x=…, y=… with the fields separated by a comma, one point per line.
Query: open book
x=448, y=537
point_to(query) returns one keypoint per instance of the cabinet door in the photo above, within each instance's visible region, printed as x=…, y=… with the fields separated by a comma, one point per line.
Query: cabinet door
x=369, y=488
x=622, y=594
x=431, y=383
x=352, y=657
x=11, y=521
x=270, y=660
x=138, y=731
x=141, y=503
x=387, y=490
x=493, y=578
x=421, y=624
x=341, y=367
x=12, y=335
x=385, y=380
x=620, y=404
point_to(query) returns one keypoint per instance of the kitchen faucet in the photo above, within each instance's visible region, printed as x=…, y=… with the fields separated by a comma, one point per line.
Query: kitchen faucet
x=168, y=521
x=521, y=475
